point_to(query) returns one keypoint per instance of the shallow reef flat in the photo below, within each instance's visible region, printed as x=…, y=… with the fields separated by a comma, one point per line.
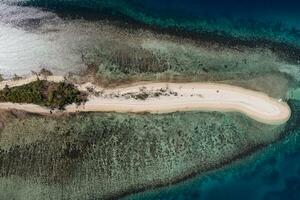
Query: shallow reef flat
x=272, y=172
x=107, y=155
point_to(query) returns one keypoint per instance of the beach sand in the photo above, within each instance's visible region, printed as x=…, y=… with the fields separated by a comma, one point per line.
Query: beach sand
x=178, y=97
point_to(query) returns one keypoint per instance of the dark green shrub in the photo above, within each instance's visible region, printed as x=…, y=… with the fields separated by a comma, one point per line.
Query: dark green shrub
x=44, y=93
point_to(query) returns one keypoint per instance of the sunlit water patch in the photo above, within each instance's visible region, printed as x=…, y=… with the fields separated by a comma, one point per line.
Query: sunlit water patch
x=21, y=52
x=30, y=39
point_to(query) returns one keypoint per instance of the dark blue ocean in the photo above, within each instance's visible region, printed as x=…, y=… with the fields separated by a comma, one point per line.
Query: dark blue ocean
x=264, y=19
x=271, y=9
x=256, y=19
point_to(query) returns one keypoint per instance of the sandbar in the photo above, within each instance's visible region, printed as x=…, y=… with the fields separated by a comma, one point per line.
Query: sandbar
x=177, y=97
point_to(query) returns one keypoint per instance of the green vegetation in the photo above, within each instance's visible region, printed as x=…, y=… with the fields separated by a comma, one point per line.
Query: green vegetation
x=44, y=93
x=143, y=94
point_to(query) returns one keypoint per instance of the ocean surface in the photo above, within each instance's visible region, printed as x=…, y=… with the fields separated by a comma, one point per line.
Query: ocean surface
x=271, y=173
x=21, y=22
x=269, y=20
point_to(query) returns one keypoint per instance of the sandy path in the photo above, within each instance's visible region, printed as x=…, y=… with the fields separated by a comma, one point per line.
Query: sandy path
x=177, y=97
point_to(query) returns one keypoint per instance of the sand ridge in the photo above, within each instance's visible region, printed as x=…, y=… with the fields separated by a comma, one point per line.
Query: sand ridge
x=176, y=97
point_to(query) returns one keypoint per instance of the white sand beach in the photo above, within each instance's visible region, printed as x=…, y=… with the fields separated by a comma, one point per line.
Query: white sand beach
x=176, y=97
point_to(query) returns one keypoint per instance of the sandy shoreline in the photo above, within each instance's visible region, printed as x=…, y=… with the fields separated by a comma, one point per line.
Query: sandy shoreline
x=188, y=97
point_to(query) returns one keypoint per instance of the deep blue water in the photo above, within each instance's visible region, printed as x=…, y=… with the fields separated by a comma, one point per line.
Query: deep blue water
x=266, y=19
x=234, y=8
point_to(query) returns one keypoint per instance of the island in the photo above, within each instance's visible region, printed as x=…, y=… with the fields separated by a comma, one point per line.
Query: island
x=56, y=95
